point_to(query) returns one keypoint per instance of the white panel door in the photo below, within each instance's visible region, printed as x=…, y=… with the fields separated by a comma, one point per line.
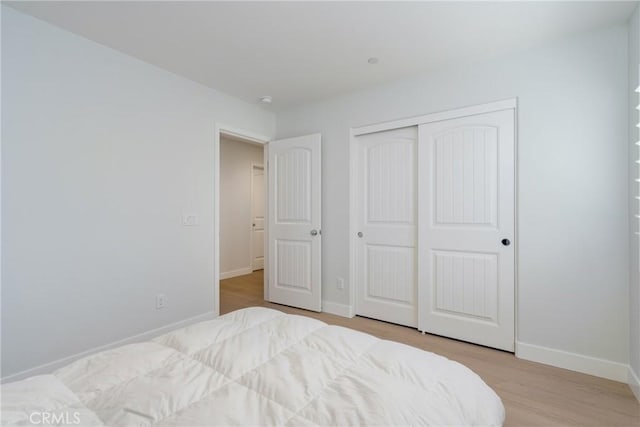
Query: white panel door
x=294, y=171
x=257, y=217
x=466, y=228
x=386, y=276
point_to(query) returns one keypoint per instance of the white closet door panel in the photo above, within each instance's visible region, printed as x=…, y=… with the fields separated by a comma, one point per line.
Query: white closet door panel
x=466, y=208
x=390, y=273
x=390, y=181
x=386, y=282
x=465, y=284
x=466, y=176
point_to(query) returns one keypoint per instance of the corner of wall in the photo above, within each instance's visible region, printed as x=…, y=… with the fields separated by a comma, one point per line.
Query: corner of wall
x=634, y=383
x=634, y=267
x=342, y=310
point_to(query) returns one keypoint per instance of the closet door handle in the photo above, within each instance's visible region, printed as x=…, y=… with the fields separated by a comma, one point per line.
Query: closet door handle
x=506, y=242
x=360, y=234
x=314, y=232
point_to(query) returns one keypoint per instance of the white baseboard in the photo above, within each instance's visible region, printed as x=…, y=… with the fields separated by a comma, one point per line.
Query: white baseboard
x=575, y=362
x=235, y=273
x=47, y=368
x=343, y=310
x=634, y=383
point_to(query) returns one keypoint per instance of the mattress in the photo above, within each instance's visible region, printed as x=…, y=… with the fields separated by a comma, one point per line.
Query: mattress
x=257, y=366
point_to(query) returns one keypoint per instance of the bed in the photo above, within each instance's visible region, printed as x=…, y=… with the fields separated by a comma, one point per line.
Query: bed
x=257, y=366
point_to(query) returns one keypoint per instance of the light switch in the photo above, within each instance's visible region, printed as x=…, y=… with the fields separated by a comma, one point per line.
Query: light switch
x=190, y=220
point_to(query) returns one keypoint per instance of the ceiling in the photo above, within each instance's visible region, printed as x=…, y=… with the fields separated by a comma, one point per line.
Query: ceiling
x=301, y=52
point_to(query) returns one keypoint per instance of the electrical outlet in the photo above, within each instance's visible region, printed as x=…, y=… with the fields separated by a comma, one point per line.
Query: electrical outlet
x=340, y=283
x=161, y=301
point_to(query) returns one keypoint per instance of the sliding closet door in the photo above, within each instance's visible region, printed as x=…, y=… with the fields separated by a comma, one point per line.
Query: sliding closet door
x=466, y=228
x=386, y=272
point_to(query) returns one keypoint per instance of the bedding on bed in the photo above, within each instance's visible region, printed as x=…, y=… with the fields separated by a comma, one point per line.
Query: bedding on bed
x=257, y=367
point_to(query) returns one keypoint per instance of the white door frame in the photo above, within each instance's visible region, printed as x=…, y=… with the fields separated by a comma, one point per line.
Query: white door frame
x=255, y=166
x=249, y=136
x=506, y=104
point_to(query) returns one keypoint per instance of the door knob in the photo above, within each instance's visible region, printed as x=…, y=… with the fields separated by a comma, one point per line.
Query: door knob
x=314, y=232
x=360, y=234
x=506, y=242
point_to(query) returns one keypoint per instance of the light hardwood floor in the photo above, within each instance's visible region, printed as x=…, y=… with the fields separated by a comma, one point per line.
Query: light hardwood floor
x=533, y=394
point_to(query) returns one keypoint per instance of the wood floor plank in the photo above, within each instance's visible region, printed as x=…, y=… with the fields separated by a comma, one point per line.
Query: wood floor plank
x=533, y=394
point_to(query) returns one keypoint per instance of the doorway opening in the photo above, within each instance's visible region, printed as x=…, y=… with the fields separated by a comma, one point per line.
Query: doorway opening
x=292, y=219
x=241, y=207
x=240, y=201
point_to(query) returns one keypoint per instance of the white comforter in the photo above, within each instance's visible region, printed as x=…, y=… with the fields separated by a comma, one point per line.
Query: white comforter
x=257, y=367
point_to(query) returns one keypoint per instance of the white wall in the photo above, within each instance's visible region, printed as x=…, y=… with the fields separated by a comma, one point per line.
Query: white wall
x=102, y=154
x=573, y=227
x=634, y=280
x=236, y=174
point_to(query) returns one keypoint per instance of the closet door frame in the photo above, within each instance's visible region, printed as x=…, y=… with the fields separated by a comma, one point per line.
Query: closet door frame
x=511, y=103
